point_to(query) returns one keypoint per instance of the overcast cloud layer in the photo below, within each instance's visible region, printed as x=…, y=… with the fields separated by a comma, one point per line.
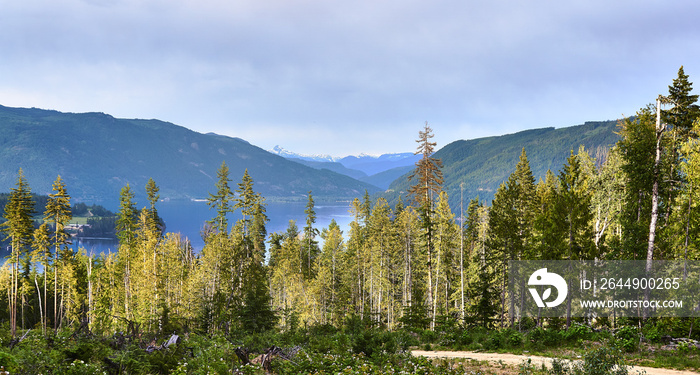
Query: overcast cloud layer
x=344, y=77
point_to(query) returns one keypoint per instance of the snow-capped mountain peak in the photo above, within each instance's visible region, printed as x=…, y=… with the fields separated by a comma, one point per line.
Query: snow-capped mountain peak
x=278, y=150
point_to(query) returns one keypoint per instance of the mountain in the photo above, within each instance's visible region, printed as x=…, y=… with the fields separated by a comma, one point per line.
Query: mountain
x=333, y=166
x=483, y=164
x=372, y=165
x=278, y=150
x=384, y=179
x=97, y=154
x=379, y=170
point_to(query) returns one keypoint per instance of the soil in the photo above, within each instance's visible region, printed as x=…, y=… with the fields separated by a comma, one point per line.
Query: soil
x=504, y=360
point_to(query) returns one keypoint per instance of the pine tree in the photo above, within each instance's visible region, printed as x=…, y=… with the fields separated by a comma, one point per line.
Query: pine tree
x=548, y=235
x=574, y=209
x=42, y=251
x=246, y=200
x=445, y=244
x=310, y=245
x=220, y=200
x=255, y=312
x=18, y=228
x=330, y=268
x=500, y=242
x=684, y=109
x=522, y=185
x=637, y=145
x=153, y=219
x=58, y=212
x=683, y=119
x=429, y=174
x=511, y=224
x=575, y=216
x=428, y=171
x=126, y=227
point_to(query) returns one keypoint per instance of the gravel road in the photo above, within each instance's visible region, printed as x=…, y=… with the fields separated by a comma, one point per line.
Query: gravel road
x=514, y=359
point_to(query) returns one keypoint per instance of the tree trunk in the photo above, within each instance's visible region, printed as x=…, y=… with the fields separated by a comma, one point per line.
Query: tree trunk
x=654, y=198
x=461, y=249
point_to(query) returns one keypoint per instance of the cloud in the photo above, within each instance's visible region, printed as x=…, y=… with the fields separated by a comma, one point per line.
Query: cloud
x=366, y=70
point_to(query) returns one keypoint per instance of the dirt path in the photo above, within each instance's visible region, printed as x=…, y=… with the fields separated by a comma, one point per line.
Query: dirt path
x=514, y=360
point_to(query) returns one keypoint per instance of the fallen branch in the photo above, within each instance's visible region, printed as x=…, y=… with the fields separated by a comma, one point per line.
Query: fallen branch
x=265, y=360
x=15, y=341
x=174, y=339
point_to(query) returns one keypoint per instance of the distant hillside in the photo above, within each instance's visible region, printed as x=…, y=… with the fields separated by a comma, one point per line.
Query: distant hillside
x=379, y=171
x=97, y=154
x=483, y=164
x=372, y=165
x=332, y=166
x=384, y=179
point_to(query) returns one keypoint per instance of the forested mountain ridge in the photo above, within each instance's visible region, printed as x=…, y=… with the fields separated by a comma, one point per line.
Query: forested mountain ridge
x=97, y=154
x=379, y=171
x=482, y=164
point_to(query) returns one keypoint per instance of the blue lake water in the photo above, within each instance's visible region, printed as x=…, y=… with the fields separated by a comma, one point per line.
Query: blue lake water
x=188, y=219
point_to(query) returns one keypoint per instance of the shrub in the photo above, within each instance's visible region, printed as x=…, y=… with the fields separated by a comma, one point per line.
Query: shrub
x=541, y=338
x=601, y=361
x=577, y=333
x=627, y=338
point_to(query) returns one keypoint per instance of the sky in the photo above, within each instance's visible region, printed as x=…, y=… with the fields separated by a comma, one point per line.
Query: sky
x=347, y=77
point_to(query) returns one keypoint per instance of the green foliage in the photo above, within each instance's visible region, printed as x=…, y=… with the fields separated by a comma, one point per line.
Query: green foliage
x=504, y=339
x=627, y=338
x=544, y=338
x=310, y=363
x=601, y=361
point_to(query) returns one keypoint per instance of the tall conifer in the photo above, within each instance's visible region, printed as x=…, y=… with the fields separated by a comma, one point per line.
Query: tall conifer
x=58, y=212
x=18, y=228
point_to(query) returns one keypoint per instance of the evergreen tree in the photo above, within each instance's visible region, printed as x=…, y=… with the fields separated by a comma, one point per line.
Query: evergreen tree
x=18, y=228
x=154, y=221
x=575, y=217
x=58, y=212
x=310, y=245
x=255, y=312
x=220, y=200
x=428, y=171
x=126, y=227
x=684, y=109
x=330, y=270
x=548, y=235
x=126, y=217
x=511, y=225
x=429, y=174
x=574, y=211
x=499, y=242
x=445, y=244
x=41, y=246
x=246, y=200
x=637, y=145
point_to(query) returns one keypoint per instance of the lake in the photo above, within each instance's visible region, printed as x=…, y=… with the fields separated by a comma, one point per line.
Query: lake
x=188, y=218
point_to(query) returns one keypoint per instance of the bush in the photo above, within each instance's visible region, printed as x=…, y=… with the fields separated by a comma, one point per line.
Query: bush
x=577, y=333
x=627, y=338
x=601, y=361
x=332, y=344
x=543, y=338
